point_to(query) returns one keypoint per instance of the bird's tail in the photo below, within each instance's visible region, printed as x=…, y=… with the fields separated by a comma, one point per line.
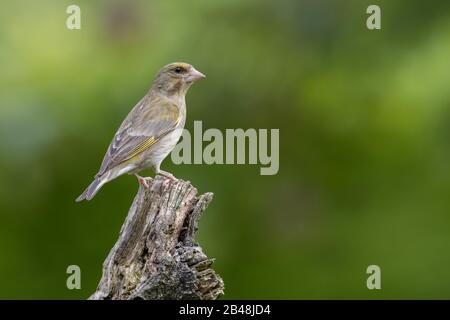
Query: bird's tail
x=93, y=188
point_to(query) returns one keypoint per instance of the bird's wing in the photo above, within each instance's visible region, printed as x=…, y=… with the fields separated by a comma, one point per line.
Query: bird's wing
x=152, y=118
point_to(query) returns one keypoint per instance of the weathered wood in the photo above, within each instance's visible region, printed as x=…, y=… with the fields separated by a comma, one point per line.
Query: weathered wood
x=156, y=256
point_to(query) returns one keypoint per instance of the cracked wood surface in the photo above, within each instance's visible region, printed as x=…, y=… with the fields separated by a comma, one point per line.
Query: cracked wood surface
x=156, y=256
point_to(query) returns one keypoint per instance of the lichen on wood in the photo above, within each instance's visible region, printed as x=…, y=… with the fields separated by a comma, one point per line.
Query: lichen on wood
x=156, y=255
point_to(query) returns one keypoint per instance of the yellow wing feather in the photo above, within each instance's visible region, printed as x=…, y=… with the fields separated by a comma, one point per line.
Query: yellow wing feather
x=144, y=145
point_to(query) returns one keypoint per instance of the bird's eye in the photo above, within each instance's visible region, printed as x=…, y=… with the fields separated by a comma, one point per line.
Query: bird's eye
x=178, y=70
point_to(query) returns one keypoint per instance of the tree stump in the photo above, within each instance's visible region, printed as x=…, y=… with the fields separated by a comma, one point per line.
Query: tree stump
x=156, y=256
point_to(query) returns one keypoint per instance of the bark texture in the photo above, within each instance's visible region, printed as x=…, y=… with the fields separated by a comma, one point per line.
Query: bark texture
x=156, y=256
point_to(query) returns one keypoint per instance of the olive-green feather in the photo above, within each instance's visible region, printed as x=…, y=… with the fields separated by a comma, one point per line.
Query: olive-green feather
x=152, y=118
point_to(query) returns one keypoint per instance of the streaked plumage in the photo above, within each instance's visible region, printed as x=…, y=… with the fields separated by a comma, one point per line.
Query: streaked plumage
x=151, y=130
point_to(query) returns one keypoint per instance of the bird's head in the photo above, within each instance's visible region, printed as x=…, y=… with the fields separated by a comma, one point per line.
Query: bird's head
x=176, y=78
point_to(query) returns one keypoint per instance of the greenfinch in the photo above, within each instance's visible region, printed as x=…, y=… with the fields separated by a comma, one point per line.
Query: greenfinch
x=150, y=131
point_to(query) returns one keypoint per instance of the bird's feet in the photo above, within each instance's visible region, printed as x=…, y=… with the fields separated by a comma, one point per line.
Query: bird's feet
x=167, y=175
x=142, y=181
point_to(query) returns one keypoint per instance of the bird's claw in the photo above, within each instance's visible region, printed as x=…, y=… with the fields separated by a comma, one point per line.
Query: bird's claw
x=167, y=175
x=143, y=181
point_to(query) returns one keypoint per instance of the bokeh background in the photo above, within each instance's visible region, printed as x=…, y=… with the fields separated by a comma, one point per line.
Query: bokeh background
x=364, y=140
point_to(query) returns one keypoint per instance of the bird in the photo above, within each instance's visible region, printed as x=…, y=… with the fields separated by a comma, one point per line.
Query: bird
x=151, y=129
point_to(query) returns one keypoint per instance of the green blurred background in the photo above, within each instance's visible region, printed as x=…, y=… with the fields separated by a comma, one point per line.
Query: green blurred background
x=364, y=140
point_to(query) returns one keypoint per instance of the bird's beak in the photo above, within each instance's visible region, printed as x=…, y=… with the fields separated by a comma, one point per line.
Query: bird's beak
x=194, y=75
